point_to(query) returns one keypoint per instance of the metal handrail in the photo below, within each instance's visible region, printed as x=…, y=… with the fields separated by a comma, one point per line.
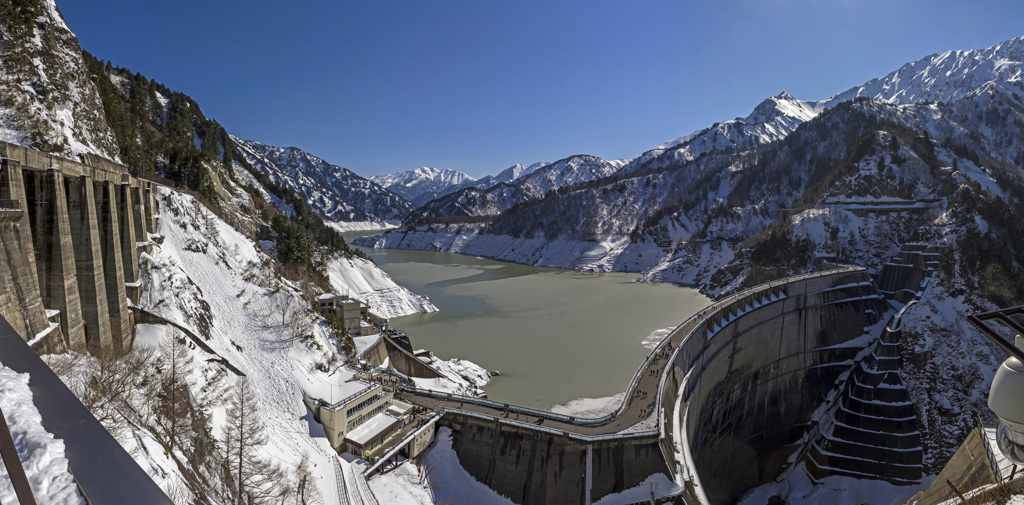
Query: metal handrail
x=1000, y=316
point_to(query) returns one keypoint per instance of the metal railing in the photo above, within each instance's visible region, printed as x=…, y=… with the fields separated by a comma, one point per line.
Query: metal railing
x=9, y=204
x=119, y=479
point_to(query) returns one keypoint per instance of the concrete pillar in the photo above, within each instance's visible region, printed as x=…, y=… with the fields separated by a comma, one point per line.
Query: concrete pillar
x=129, y=251
x=92, y=284
x=21, y=304
x=139, y=214
x=113, y=265
x=149, y=207
x=55, y=253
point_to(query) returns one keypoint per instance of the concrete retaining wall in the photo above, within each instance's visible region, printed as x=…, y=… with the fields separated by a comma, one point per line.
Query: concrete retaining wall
x=400, y=359
x=537, y=467
x=751, y=376
x=68, y=245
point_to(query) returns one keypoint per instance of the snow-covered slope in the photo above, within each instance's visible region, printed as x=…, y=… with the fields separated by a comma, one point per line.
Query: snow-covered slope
x=334, y=192
x=423, y=184
x=209, y=278
x=363, y=280
x=48, y=100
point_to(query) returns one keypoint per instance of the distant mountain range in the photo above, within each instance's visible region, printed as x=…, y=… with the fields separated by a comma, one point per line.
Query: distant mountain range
x=423, y=184
x=930, y=153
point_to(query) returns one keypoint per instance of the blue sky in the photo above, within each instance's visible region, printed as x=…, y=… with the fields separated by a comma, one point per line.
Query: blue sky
x=478, y=85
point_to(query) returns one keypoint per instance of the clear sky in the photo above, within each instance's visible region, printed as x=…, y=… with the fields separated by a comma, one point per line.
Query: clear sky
x=478, y=85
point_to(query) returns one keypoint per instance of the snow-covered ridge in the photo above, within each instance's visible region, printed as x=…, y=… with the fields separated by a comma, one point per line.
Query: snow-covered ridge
x=49, y=102
x=335, y=193
x=423, y=184
x=527, y=183
x=944, y=77
x=936, y=78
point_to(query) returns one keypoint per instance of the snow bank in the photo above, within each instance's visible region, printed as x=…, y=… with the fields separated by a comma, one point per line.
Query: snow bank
x=462, y=377
x=656, y=486
x=363, y=280
x=41, y=454
x=405, y=485
x=798, y=489
x=590, y=407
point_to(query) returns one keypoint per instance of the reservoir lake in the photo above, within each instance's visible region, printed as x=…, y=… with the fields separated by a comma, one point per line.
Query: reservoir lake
x=554, y=335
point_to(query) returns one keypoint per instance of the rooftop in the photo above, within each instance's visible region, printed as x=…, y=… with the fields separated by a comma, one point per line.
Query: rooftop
x=340, y=387
x=371, y=429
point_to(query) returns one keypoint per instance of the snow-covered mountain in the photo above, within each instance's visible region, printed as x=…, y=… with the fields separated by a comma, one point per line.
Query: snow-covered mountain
x=936, y=78
x=946, y=77
x=341, y=197
x=518, y=170
x=523, y=184
x=48, y=100
x=423, y=184
x=798, y=186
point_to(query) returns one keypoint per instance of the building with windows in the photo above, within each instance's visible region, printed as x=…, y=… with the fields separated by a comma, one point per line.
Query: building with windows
x=364, y=417
x=353, y=313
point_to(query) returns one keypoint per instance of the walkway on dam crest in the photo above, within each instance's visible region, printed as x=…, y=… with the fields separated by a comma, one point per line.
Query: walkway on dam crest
x=636, y=408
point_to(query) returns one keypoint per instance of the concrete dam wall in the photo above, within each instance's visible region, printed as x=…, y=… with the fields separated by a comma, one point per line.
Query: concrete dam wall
x=740, y=394
x=69, y=236
x=536, y=466
x=799, y=374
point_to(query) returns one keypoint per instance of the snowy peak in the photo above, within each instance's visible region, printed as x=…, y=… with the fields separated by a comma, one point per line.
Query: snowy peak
x=410, y=178
x=782, y=105
x=525, y=183
x=518, y=170
x=424, y=184
x=945, y=77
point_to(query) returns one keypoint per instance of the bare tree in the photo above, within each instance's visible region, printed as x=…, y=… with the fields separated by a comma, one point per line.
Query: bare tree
x=105, y=383
x=307, y=491
x=301, y=325
x=248, y=478
x=175, y=406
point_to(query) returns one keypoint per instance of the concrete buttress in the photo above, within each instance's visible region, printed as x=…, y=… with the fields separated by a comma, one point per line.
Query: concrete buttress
x=55, y=252
x=113, y=265
x=129, y=251
x=21, y=304
x=149, y=207
x=139, y=214
x=92, y=282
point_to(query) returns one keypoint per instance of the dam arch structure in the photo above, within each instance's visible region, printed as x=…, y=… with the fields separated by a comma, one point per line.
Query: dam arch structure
x=741, y=388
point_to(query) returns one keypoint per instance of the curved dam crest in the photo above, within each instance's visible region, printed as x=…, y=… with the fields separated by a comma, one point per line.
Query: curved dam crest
x=777, y=376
